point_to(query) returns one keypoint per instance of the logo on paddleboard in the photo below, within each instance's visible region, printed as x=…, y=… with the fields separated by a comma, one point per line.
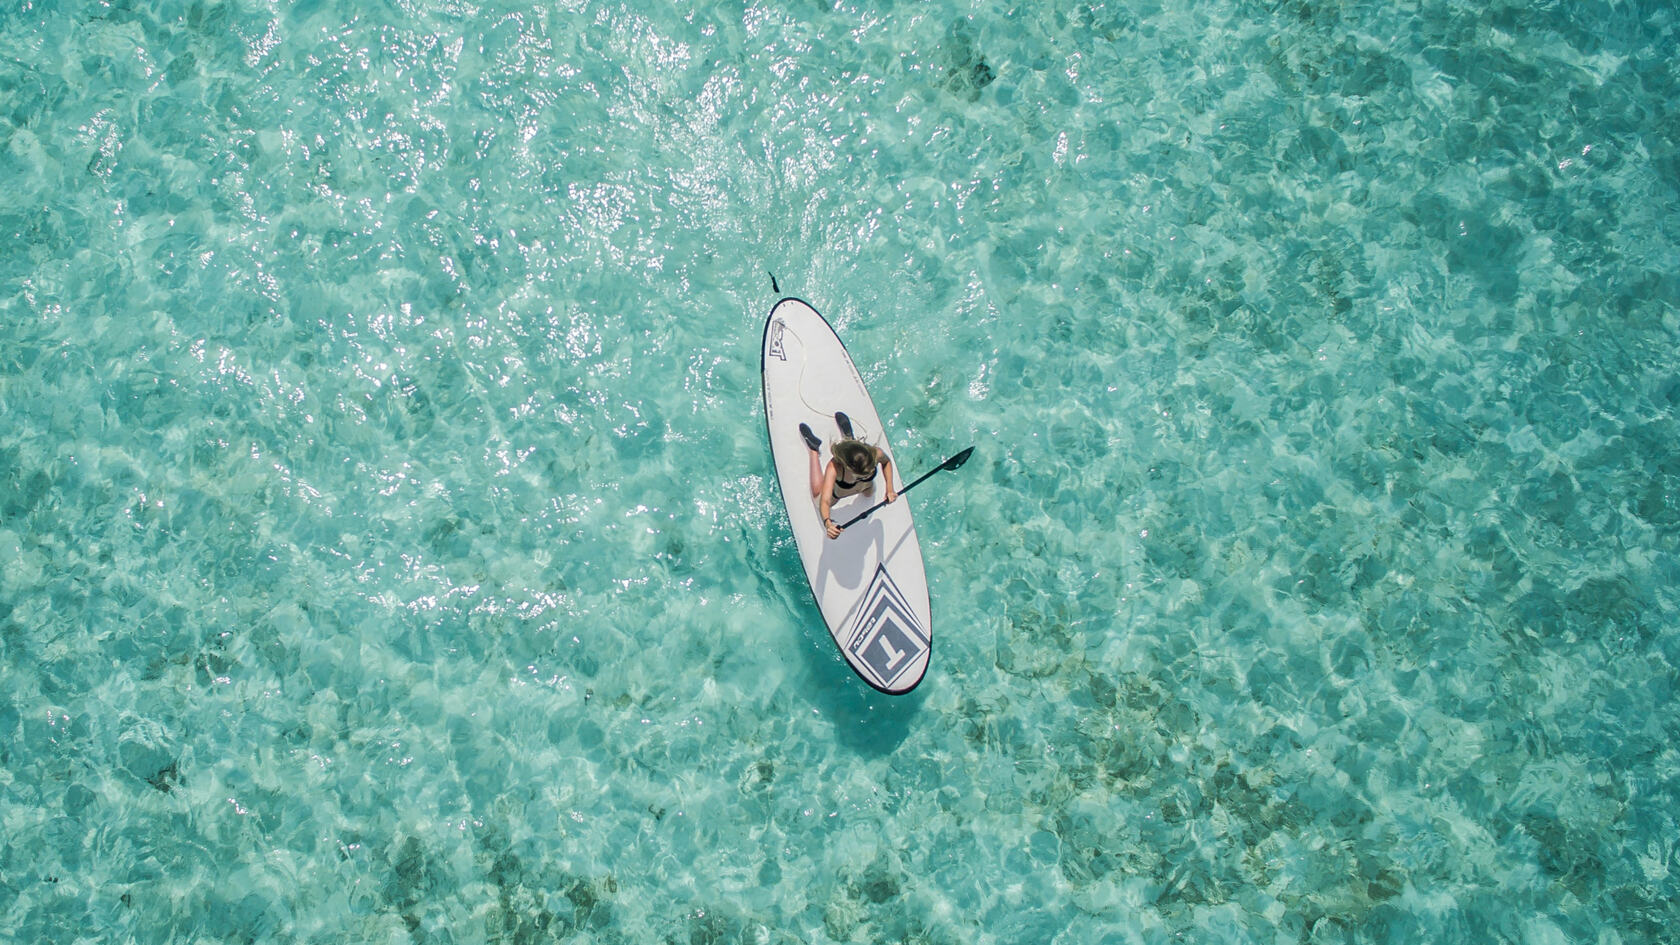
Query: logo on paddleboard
x=776, y=350
x=888, y=638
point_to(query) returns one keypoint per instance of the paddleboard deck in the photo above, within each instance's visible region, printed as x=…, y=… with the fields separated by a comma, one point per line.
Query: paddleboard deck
x=869, y=584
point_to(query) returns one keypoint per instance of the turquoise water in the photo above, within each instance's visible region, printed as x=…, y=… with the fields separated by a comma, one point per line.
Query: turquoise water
x=388, y=551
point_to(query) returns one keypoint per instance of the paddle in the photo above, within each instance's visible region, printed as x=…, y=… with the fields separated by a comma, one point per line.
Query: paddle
x=952, y=464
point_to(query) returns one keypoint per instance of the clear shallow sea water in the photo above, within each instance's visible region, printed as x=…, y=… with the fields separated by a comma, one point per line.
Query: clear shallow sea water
x=388, y=550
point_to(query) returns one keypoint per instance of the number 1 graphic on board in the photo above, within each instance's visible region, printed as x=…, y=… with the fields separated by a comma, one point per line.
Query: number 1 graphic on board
x=893, y=656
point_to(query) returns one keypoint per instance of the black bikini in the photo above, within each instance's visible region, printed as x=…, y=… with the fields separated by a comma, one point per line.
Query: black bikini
x=838, y=485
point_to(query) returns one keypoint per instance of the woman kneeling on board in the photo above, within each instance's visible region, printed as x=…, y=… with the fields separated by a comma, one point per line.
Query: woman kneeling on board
x=852, y=469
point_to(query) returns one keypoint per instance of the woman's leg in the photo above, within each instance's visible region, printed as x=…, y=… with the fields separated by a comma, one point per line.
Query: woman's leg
x=816, y=474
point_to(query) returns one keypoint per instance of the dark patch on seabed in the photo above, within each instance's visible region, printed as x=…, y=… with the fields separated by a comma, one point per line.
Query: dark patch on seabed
x=967, y=73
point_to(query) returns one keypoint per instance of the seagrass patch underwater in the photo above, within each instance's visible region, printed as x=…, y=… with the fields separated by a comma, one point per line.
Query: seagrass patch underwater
x=389, y=549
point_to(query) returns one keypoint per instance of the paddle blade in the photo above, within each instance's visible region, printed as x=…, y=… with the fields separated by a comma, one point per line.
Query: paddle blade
x=955, y=462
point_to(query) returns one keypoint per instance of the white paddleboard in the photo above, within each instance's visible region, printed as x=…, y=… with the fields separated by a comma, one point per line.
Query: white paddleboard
x=869, y=583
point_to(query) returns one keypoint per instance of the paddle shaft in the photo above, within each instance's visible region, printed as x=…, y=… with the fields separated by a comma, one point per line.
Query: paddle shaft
x=951, y=463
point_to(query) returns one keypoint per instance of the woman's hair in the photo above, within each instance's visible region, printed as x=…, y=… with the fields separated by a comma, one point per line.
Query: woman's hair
x=856, y=456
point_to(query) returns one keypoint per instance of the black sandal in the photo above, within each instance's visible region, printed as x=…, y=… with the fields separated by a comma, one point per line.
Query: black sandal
x=845, y=424
x=811, y=439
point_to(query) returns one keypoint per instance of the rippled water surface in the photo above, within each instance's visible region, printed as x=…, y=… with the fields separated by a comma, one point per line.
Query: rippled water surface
x=389, y=553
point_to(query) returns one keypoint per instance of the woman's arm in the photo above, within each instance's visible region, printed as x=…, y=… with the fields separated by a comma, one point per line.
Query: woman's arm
x=827, y=501
x=887, y=471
